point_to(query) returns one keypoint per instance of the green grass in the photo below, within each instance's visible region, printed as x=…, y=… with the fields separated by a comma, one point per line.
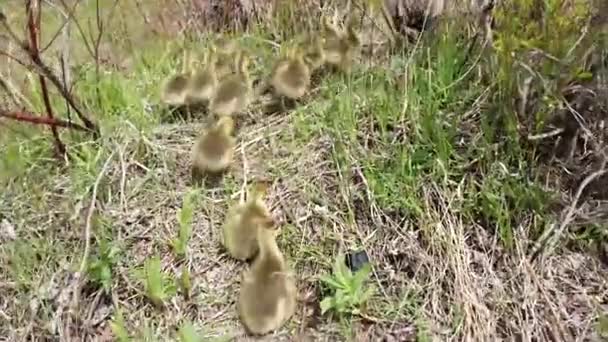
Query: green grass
x=436, y=181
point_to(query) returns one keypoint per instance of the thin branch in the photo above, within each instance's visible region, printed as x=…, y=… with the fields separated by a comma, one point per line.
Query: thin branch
x=78, y=26
x=33, y=8
x=47, y=72
x=87, y=237
x=16, y=96
x=65, y=56
x=16, y=59
x=245, y=171
x=41, y=120
x=553, y=233
x=546, y=135
x=66, y=22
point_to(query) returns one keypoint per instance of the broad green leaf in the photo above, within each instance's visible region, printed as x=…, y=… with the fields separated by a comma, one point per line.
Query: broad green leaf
x=602, y=325
x=154, y=278
x=341, y=271
x=188, y=333
x=326, y=305
x=118, y=327
x=361, y=275
x=185, y=283
x=584, y=76
x=329, y=280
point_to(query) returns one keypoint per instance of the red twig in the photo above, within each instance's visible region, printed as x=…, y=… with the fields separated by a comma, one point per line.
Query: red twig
x=34, y=32
x=41, y=120
x=46, y=71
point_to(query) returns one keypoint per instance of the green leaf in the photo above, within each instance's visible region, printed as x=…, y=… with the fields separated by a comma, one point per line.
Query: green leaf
x=584, y=76
x=361, y=275
x=106, y=276
x=326, y=305
x=184, y=217
x=118, y=327
x=349, y=291
x=602, y=325
x=329, y=280
x=185, y=283
x=186, y=213
x=188, y=333
x=341, y=271
x=154, y=280
x=179, y=247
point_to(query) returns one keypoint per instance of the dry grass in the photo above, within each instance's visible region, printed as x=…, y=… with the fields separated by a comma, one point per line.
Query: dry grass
x=452, y=276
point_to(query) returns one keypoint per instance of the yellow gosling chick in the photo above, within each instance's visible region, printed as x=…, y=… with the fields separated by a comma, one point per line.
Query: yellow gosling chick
x=227, y=53
x=242, y=222
x=214, y=149
x=315, y=56
x=204, y=81
x=175, y=88
x=291, y=76
x=234, y=91
x=268, y=292
x=340, y=46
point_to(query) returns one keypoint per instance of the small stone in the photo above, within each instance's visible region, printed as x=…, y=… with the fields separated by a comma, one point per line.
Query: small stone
x=356, y=260
x=7, y=231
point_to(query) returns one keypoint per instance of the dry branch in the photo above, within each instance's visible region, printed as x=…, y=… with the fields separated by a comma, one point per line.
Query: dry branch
x=33, y=8
x=41, y=120
x=45, y=71
x=552, y=234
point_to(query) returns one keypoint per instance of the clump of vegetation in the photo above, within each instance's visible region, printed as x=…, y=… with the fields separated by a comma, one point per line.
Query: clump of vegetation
x=184, y=220
x=188, y=333
x=348, y=291
x=185, y=282
x=101, y=268
x=159, y=286
x=119, y=328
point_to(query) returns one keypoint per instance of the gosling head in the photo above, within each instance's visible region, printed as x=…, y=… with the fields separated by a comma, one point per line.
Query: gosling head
x=255, y=199
x=225, y=125
x=225, y=45
x=243, y=61
x=351, y=34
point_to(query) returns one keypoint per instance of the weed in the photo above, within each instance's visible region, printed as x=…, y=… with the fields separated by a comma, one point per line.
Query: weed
x=184, y=219
x=158, y=286
x=100, y=269
x=119, y=328
x=602, y=325
x=348, y=292
x=188, y=333
x=185, y=283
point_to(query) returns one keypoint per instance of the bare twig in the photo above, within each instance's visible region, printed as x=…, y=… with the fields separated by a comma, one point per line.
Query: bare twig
x=64, y=58
x=41, y=120
x=16, y=96
x=96, y=43
x=245, y=171
x=87, y=237
x=16, y=59
x=70, y=13
x=364, y=8
x=546, y=135
x=33, y=8
x=47, y=72
x=62, y=28
x=524, y=92
x=553, y=233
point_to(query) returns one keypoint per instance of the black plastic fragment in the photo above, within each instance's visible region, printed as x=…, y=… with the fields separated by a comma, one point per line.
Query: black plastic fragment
x=355, y=260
